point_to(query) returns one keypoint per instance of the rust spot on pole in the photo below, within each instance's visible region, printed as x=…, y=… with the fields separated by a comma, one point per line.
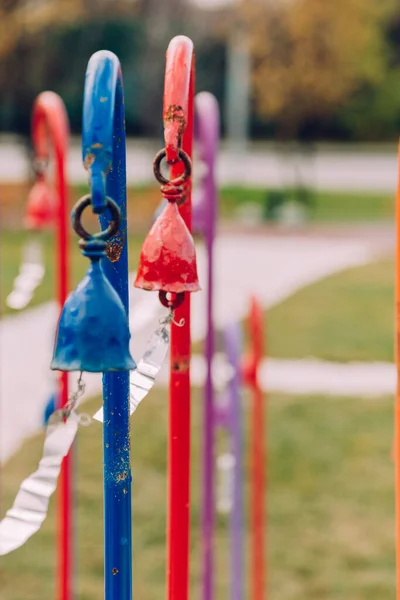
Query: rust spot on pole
x=180, y=365
x=175, y=114
x=89, y=160
x=114, y=247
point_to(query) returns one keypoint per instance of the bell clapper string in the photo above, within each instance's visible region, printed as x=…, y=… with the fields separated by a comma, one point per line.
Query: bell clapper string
x=74, y=398
x=170, y=319
x=179, y=323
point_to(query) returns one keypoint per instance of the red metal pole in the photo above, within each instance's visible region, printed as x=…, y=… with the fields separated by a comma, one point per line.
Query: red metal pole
x=178, y=132
x=50, y=128
x=258, y=456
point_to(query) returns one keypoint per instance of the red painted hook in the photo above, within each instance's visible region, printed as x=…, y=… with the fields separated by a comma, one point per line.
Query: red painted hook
x=255, y=325
x=178, y=133
x=168, y=258
x=178, y=75
x=50, y=134
x=49, y=125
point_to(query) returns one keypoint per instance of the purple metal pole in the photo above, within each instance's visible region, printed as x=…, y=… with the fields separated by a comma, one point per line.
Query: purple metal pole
x=204, y=220
x=232, y=338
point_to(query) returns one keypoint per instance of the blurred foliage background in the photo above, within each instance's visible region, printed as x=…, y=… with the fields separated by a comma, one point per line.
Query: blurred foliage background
x=320, y=70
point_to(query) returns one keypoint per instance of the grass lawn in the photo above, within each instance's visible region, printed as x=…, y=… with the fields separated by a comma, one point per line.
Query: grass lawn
x=347, y=316
x=327, y=206
x=331, y=521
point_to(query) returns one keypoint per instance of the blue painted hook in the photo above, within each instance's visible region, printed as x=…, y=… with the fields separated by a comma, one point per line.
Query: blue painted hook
x=104, y=155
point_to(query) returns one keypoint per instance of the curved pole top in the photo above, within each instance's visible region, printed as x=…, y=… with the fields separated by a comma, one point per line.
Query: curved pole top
x=255, y=328
x=255, y=324
x=50, y=124
x=103, y=82
x=207, y=126
x=207, y=129
x=178, y=73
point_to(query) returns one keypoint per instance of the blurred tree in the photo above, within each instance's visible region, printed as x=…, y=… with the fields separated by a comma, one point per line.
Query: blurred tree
x=373, y=113
x=22, y=19
x=52, y=53
x=42, y=46
x=311, y=56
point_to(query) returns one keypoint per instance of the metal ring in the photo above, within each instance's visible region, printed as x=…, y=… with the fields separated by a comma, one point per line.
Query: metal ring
x=178, y=180
x=39, y=165
x=106, y=234
x=172, y=303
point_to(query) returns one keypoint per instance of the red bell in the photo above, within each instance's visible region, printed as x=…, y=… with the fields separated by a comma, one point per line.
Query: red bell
x=168, y=257
x=40, y=207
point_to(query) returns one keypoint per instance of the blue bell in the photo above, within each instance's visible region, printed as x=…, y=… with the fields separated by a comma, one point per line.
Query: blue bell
x=93, y=333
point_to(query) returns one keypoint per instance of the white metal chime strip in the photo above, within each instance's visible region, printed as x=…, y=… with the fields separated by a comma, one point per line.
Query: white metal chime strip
x=143, y=377
x=32, y=500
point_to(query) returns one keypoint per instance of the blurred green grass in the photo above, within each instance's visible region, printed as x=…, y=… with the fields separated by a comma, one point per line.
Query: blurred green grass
x=142, y=202
x=330, y=503
x=326, y=206
x=345, y=317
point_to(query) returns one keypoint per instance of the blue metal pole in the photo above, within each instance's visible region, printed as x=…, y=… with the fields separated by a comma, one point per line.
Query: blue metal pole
x=103, y=147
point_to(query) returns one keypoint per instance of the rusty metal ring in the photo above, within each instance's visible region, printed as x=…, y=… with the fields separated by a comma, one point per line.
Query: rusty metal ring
x=39, y=165
x=106, y=234
x=183, y=156
x=172, y=303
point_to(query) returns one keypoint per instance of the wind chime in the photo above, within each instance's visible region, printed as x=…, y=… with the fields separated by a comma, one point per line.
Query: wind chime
x=168, y=265
x=48, y=209
x=93, y=333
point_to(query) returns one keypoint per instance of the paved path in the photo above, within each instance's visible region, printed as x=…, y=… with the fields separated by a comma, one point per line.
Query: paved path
x=273, y=268
x=341, y=169
x=312, y=376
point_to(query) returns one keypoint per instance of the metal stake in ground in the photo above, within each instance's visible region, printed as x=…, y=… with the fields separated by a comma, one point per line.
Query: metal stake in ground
x=103, y=146
x=258, y=455
x=50, y=133
x=204, y=221
x=168, y=264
